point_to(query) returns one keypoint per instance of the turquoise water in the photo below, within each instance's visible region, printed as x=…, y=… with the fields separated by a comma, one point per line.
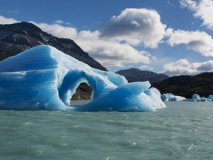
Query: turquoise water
x=183, y=130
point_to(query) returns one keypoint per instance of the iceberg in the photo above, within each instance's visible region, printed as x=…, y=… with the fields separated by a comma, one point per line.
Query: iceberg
x=44, y=78
x=197, y=98
x=210, y=98
x=171, y=97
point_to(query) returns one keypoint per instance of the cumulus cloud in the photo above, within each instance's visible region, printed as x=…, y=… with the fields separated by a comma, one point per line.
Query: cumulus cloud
x=108, y=53
x=58, y=21
x=183, y=67
x=198, y=41
x=58, y=30
x=145, y=68
x=202, y=9
x=206, y=66
x=189, y=4
x=4, y=20
x=136, y=26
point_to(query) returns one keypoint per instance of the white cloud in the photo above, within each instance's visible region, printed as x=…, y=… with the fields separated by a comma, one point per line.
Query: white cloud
x=206, y=67
x=183, y=67
x=147, y=68
x=4, y=20
x=58, y=22
x=198, y=41
x=136, y=26
x=202, y=9
x=58, y=30
x=108, y=52
x=189, y=4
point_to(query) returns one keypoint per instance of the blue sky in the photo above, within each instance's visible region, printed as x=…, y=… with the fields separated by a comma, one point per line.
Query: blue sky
x=169, y=36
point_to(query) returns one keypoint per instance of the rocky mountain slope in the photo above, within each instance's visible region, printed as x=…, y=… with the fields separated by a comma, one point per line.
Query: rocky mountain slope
x=186, y=86
x=18, y=37
x=135, y=75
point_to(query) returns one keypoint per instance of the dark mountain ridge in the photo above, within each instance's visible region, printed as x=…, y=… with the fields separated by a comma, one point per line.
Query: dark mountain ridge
x=18, y=37
x=186, y=86
x=135, y=75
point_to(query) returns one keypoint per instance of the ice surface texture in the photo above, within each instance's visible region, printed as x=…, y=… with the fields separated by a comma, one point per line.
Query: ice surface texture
x=45, y=78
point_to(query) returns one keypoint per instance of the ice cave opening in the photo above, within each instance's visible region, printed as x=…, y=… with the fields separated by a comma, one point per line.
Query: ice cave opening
x=84, y=93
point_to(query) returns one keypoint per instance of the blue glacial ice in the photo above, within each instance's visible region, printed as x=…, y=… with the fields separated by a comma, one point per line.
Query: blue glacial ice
x=46, y=78
x=172, y=97
x=197, y=98
x=210, y=98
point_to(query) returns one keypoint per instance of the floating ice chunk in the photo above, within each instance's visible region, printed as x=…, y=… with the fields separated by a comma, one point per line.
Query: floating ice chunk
x=195, y=96
x=45, y=78
x=171, y=97
x=210, y=98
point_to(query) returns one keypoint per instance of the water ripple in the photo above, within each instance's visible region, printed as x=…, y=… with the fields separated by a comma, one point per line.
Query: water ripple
x=177, y=132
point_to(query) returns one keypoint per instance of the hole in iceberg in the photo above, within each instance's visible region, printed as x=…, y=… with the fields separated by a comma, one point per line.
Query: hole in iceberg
x=82, y=95
x=68, y=90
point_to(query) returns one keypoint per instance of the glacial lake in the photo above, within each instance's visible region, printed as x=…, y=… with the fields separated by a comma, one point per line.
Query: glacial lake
x=182, y=131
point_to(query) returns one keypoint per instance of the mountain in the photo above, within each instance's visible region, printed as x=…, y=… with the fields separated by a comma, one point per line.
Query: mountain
x=18, y=37
x=186, y=86
x=134, y=75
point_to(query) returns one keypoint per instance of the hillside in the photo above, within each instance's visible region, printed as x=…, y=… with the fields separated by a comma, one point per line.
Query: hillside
x=186, y=86
x=18, y=37
x=135, y=75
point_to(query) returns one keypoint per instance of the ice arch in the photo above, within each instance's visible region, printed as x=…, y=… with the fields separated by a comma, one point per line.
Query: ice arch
x=72, y=80
x=45, y=78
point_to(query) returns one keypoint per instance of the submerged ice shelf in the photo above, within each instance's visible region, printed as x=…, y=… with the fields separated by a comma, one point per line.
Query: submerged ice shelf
x=46, y=78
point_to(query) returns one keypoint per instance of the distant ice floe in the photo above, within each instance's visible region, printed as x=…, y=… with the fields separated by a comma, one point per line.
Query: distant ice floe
x=45, y=78
x=171, y=97
x=210, y=98
x=195, y=98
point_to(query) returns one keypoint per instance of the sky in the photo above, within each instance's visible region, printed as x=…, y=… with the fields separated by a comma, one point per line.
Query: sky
x=173, y=37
